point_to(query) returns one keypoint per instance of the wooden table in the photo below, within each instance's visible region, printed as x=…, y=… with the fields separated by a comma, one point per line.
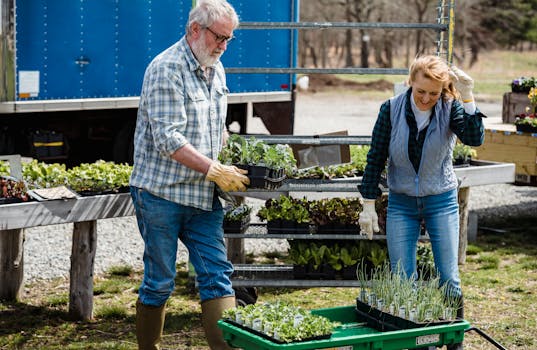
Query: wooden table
x=83, y=212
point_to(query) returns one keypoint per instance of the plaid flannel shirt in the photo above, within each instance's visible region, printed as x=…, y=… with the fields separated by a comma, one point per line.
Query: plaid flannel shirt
x=178, y=105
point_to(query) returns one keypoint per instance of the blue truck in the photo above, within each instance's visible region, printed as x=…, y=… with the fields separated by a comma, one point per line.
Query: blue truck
x=71, y=71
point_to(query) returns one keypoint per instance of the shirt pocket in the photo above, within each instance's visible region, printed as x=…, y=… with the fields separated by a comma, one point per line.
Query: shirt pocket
x=221, y=93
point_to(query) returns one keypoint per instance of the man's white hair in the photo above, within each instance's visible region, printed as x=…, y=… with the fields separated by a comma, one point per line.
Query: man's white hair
x=206, y=12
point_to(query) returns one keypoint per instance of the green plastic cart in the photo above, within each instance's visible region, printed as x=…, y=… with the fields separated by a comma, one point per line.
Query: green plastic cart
x=352, y=334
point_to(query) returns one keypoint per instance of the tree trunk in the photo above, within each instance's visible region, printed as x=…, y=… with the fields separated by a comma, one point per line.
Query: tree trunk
x=349, y=62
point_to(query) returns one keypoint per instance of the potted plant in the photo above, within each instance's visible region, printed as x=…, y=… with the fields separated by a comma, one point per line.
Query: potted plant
x=286, y=215
x=527, y=122
x=350, y=256
x=236, y=218
x=267, y=165
x=12, y=190
x=391, y=302
x=300, y=256
x=463, y=154
x=523, y=85
x=336, y=215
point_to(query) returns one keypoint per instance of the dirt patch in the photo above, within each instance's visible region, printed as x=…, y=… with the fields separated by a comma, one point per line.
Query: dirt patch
x=320, y=82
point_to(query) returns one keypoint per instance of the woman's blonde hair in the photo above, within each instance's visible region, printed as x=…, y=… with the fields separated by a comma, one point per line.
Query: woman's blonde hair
x=434, y=68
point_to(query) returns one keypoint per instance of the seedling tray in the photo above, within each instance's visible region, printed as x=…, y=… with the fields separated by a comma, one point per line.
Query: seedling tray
x=384, y=321
x=353, y=334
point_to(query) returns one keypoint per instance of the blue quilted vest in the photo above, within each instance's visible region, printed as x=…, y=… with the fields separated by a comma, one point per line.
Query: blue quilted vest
x=435, y=173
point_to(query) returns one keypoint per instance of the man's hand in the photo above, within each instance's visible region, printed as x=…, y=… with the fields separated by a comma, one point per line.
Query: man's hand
x=463, y=83
x=228, y=178
x=368, y=219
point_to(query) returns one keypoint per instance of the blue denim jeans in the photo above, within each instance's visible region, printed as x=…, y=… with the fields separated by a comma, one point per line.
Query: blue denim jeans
x=162, y=223
x=441, y=216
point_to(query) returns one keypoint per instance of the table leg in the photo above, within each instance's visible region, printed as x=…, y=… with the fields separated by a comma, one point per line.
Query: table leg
x=82, y=261
x=11, y=263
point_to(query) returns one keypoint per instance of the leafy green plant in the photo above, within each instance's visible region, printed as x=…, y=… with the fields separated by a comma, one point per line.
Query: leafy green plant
x=333, y=257
x=281, y=321
x=285, y=208
x=237, y=212
x=336, y=210
x=463, y=152
x=378, y=255
x=318, y=254
x=299, y=252
x=99, y=176
x=349, y=255
x=44, y=175
x=252, y=151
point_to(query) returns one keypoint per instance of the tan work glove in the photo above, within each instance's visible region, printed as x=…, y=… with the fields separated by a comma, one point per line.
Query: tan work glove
x=368, y=218
x=228, y=178
x=463, y=83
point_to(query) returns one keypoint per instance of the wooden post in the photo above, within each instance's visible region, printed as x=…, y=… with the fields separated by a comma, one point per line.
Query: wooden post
x=82, y=260
x=11, y=263
x=464, y=196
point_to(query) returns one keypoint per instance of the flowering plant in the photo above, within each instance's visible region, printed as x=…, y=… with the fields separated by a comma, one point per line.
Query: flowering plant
x=523, y=84
x=530, y=117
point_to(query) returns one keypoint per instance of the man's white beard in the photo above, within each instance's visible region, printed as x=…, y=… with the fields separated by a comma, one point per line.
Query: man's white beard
x=202, y=53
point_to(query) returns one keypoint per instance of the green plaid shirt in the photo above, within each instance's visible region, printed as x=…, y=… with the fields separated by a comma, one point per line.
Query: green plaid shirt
x=468, y=128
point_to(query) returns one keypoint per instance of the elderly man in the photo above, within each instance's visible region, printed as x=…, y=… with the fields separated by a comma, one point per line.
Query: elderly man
x=179, y=132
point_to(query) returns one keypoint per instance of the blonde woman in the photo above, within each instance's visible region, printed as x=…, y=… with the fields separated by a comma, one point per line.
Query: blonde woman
x=415, y=134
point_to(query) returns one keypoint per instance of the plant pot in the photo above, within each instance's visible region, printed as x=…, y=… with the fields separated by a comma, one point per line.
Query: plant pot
x=263, y=177
x=349, y=272
x=526, y=128
x=236, y=226
x=384, y=321
x=281, y=226
x=338, y=228
x=299, y=272
x=462, y=162
x=323, y=272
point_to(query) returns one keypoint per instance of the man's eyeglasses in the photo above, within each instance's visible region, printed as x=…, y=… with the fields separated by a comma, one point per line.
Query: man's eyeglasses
x=220, y=38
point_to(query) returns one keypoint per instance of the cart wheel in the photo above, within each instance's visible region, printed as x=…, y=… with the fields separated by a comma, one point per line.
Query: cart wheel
x=245, y=295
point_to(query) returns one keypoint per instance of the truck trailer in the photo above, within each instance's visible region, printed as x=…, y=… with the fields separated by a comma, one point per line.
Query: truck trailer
x=71, y=72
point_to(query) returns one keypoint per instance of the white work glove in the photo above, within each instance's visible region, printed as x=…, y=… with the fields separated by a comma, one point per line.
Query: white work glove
x=463, y=83
x=368, y=219
x=228, y=178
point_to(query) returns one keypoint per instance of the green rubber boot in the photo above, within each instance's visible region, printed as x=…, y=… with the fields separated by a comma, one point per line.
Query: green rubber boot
x=211, y=312
x=149, y=325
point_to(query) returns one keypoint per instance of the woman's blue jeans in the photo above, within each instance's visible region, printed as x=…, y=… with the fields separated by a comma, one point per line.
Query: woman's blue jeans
x=440, y=214
x=162, y=223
